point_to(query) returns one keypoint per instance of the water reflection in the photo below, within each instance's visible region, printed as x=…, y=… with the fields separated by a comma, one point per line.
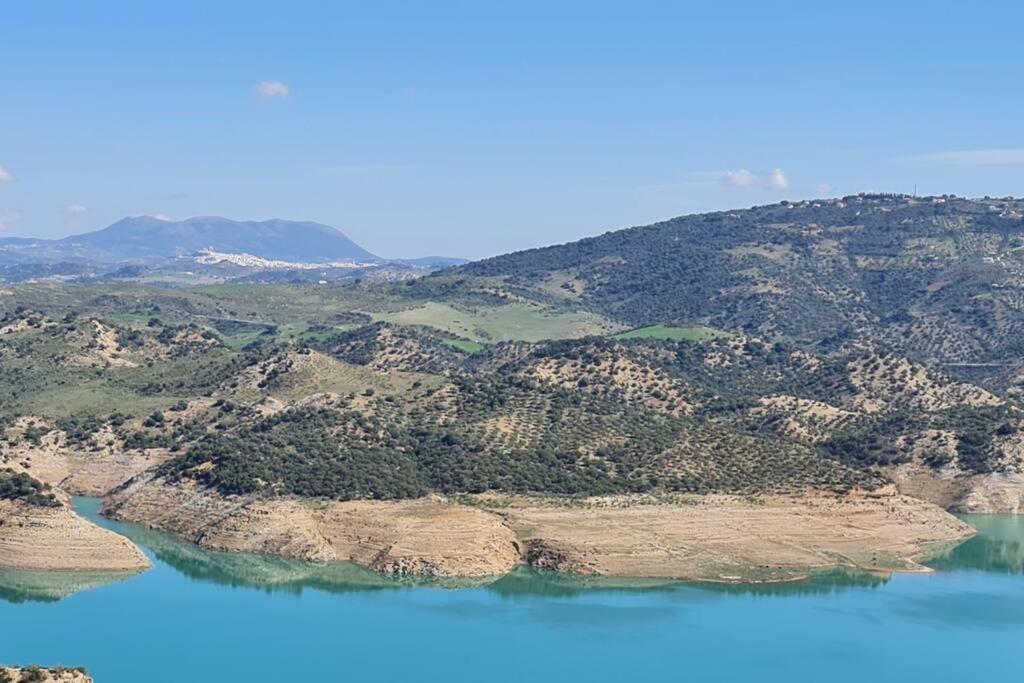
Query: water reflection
x=533, y=583
x=273, y=574
x=21, y=586
x=998, y=547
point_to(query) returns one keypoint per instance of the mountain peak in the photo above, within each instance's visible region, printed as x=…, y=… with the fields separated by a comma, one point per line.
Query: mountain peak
x=146, y=238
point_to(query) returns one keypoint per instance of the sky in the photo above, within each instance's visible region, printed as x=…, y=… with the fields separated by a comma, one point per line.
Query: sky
x=471, y=129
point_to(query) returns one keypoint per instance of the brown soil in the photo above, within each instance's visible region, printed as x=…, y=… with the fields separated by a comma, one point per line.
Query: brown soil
x=56, y=539
x=83, y=473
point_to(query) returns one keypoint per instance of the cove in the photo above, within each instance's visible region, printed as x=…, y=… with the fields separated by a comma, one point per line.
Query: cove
x=204, y=616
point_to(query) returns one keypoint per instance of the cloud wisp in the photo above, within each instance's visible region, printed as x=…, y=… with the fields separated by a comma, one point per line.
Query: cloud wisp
x=778, y=180
x=743, y=179
x=75, y=210
x=270, y=90
x=5, y=176
x=975, y=157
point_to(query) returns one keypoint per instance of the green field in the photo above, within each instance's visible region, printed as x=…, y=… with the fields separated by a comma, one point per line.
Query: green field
x=513, y=322
x=465, y=345
x=697, y=333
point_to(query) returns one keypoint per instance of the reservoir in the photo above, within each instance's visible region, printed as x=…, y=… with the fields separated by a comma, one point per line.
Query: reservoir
x=205, y=616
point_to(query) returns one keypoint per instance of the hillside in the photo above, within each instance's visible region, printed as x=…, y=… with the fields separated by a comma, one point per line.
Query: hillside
x=364, y=409
x=939, y=279
x=813, y=359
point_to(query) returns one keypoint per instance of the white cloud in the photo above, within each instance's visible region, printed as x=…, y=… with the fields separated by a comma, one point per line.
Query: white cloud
x=778, y=180
x=4, y=175
x=161, y=217
x=823, y=190
x=272, y=89
x=75, y=210
x=741, y=178
x=976, y=157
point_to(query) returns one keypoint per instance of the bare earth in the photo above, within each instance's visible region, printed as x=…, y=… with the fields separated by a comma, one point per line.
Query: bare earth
x=423, y=537
x=76, y=471
x=730, y=538
x=56, y=539
x=718, y=538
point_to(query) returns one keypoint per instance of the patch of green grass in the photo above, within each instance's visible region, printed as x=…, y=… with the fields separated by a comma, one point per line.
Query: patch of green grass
x=513, y=322
x=465, y=345
x=696, y=333
x=236, y=342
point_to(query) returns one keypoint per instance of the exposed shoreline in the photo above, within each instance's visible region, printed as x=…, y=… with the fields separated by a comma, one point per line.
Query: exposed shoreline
x=55, y=539
x=726, y=539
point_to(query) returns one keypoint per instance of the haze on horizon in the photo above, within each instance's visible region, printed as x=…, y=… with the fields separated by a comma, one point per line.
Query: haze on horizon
x=469, y=131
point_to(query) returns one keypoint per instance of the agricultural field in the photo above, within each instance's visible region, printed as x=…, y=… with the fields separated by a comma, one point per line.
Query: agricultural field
x=666, y=333
x=510, y=322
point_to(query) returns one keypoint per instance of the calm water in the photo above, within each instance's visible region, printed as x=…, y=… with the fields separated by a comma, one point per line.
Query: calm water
x=201, y=616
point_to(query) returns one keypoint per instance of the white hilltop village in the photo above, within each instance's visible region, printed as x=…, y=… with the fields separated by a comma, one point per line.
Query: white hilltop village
x=210, y=256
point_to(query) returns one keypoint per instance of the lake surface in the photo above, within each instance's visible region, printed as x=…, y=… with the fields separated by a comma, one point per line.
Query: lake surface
x=202, y=616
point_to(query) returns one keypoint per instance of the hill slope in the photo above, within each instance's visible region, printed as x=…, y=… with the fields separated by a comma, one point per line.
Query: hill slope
x=940, y=279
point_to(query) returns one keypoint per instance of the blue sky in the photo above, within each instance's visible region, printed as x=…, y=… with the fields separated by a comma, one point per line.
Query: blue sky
x=470, y=129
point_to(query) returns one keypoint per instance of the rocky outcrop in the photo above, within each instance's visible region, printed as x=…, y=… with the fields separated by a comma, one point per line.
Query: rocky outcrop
x=42, y=675
x=34, y=538
x=994, y=493
x=998, y=493
x=720, y=538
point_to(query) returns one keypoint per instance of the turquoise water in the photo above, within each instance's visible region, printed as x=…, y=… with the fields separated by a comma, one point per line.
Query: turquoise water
x=201, y=616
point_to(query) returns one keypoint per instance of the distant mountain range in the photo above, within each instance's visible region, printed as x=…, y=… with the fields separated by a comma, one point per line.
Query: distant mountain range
x=147, y=244
x=145, y=238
